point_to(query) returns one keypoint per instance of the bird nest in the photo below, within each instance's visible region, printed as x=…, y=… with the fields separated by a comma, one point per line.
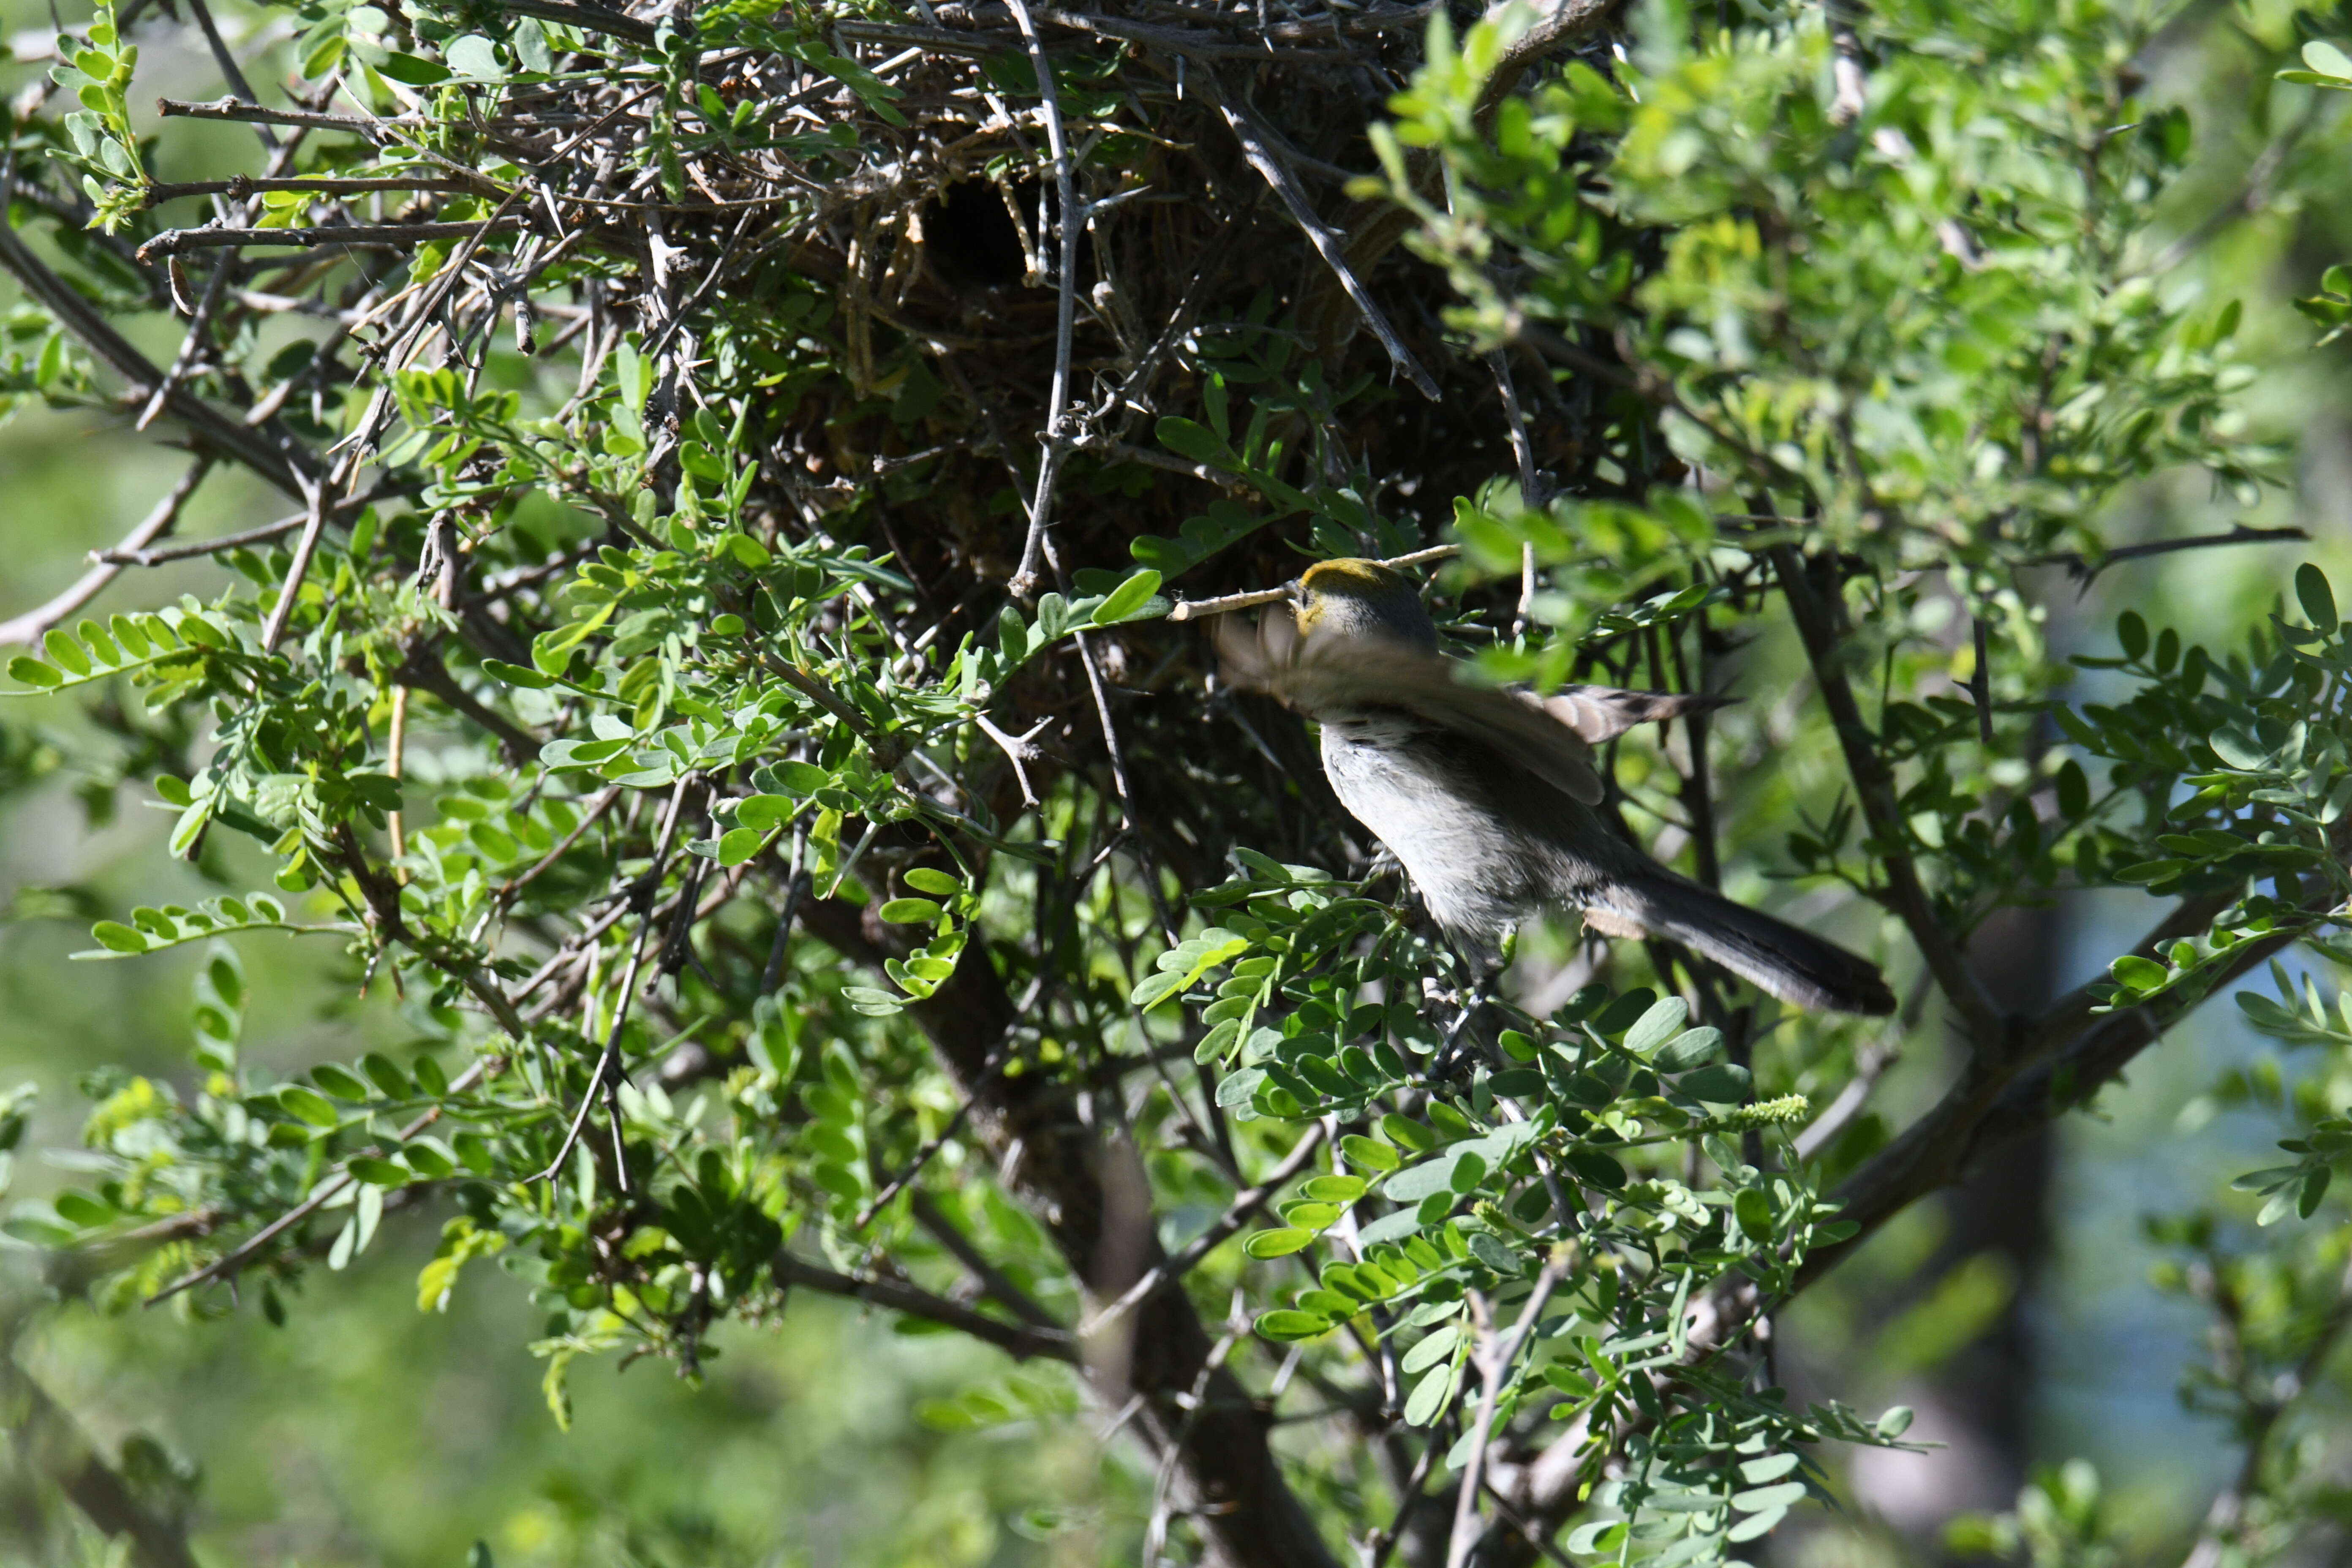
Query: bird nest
x=1016, y=330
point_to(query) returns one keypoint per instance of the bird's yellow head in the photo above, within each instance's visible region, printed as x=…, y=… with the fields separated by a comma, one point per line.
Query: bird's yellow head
x=1352, y=598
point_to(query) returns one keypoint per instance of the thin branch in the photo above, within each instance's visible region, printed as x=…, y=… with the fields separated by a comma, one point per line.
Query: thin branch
x=29, y=626
x=1328, y=245
x=1384, y=1542
x=1988, y=1027
x=173, y=241
x=1018, y=750
x=1555, y=25
x=2268, y=1408
x=224, y=436
x=2051, y=1064
x=1493, y=1368
x=1022, y=1340
x=922, y=1157
x=608, y=1061
x=2085, y=571
x=242, y=185
x=588, y=18
x=195, y=547
x=1245, y=1203
x=424, y=670
x=796, y=888
x=1067, y=221
x=1200, y=45
x=1869, y=1067
x=1194, y=609
x=326, y=1191
x=1530, y=482
x=395, y=757
x=1110, y=732
x=248, y=114
x=992, y=1280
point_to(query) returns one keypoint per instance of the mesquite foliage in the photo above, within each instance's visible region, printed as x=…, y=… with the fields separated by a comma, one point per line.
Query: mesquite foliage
x=717, y=681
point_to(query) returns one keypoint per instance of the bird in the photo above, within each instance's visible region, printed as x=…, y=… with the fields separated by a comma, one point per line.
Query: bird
x=1486, y=797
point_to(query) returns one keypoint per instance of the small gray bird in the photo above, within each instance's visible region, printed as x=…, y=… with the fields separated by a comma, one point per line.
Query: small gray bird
x=1486, y=797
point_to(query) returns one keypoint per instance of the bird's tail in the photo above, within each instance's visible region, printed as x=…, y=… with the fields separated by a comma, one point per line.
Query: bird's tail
x=1774, y=956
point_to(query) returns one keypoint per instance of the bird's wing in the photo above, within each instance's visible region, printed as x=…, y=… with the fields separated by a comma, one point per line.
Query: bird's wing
x=1325, y=677
x=1602, y=713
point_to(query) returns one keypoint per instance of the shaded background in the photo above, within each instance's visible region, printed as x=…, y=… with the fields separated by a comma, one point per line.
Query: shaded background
x=2015, y=1314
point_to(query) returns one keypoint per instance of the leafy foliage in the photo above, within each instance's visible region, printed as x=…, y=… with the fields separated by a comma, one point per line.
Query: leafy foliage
x=645, y=709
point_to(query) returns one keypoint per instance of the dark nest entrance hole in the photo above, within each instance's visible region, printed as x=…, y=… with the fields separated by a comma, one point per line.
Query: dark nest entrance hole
x=969, y=233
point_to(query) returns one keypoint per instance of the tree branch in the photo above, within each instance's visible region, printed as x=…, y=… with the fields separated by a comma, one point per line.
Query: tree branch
x=1022, y=1340
x=1817, y=626
x=1093, y=1201
x=173, y=241
x=2084, y=570
x=29, y=626
x=212, y=430
x=52, y=1443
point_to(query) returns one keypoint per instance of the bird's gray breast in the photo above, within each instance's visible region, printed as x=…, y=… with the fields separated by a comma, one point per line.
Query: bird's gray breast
x=1431, y=799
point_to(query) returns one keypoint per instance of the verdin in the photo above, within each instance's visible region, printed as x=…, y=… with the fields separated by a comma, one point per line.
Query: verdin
x=1486, y=797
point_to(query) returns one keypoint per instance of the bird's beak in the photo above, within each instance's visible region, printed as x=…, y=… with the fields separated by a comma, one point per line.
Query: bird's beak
x=1294, y=594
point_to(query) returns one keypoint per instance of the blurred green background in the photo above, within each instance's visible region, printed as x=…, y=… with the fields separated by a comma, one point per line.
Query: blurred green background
x=367, y=1432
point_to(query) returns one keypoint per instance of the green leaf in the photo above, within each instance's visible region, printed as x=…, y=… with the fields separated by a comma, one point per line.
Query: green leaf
x=1278, y=1243
x=1758, y=1499
x=1195, y=441
x=116, y=937
x=34, y=673
x=339, y=1083
x=738, y=844
x=1654, y=1027
x=2133, y=972
x=1725, y=1083
x=309, y=1105
x=1434, y=1347
x=1389, y=1227
x=411, y=72
x=1127, y=599
x=764, y=813
x=1603, y=1535
x=516, y=675
x=1688, y=1049
x=2313, y=1188
x=2311, y=588
x=1012, y=634
x=1154, y=989
x=1368, y=1153
x=2328, y=59
x=798, y=780
x=378, y=1173
x=1754, y=1212
x=929, y=880
x=1284, y=1326
x=1519, y=1083
x=1341, y=1189
x=911, y=912
x=1428, y=1396
x=386, y=1074
x=472, y=55
x=65, y=653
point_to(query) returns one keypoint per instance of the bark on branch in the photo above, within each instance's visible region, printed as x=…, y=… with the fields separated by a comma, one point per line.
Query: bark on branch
x=1090, y=1194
